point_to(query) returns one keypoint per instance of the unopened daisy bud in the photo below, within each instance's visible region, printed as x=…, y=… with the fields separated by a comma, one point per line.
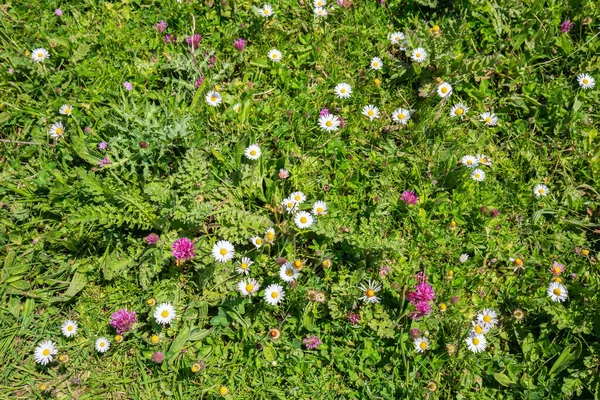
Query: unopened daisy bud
x=63, y=358
x=197, y=367
x=298, y=264
x=326, y=263
x=585, y=252
x=443, y=307
x=118, y=338
x=432, y=386
x=450, y=348
x=519, y=314
x=426, y=333
x=558, y=279
x=45, y=387
x=453, y=225
x=223, y=391
x=151, y=302
x=154, y=339
x=377, y=81
x=415, y=333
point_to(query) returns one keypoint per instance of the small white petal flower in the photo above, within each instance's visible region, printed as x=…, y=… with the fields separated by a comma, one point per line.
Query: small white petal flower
x=540, y=190
x=476, y=343
x=469, y=161
x=164, y=313
x=369, y=290
x=478, y=175
x=253, y=152
x=44, y=351
x=298, y=197
x=418, y=55
x=266, y=10
x=586, y=81
x=69, y=328
x=257, y=241
x=376, y=63
x=290, y=205
x=343, y=90
x=320, y=3
x=213, y=98
x=102, y=345
x=248, y=287
x=329, y=122
x=319, y=208
x=303, y=220
x=396, y=37
x=270, y=235
x=483, y=159
x=237, y=107
x=459, y=110
x=244, y=267
x=489, y=118
x=480, y=328
x=401, y=116
x=287, y=273
x=66, y=109
x=463, y=258
x=557, y=292
x=421, y=344
x=57, y=130
x=39, y=55
x=444, y=90
x=275, y=55
x=274, y=294
x=320, y=11
x=488, y=317
x=371, y=112
x=223, y=251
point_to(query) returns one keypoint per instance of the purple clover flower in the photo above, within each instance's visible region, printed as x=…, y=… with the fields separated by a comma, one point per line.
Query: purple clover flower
x=421, y=297
x=58, y=12
x=152, y=238
x=384, y=271
x=158, y=357
x=199, y=82
x=324, y=112
x=161, y=26
x=194, y=40
x=311, y=342
x=239, y=44
x=123, y=320
x=104, y=161
x=127, y=85
x=11, y=71
x=102, y=146
x=170, y=39
x=183, y=249
x=415, y=333
x=353, y=318
x=566, y=26
x=409, y=197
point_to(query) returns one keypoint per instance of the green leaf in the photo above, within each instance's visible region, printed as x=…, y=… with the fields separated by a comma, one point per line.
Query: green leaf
x=566, y=358
x=503, y=379
x=269, y=352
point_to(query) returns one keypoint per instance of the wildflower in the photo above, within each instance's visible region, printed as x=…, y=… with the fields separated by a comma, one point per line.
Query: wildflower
x=489, y=118
x=557, y=292
x=319, y=208
x=197, y=367
x=248, y=287
x=290, y=205
x=287, y=273
x=170, y=39
x=44, y=351
x=239, y=44
x=283, y=173
x=270, y=235
x=123, y=320
x=376, y=63
x=343, y=90
x=409, y=197
x=102, y=145
x=444, y=90
x=164, y=313
x=443, y=307
x=478, y=175
x=418, y=55
x=371, y=112
x=66, y=109
x=118, y=338
x=244, y=267
x=557, y=268
x=274, y=55
x=157, y=357
x=57, y=130
x=421, y=344
x=161, y=26
x=435, y=31
x=150, y=302
x=463, y=258
x=540, y=190
x=257, y=241
x=213, y=98
x=69, y=328
x=459, y=110
x=312, y=342
x=58, y=12
x=274, y=333
x=223, y=251
x=476, y=343
x=320, y=3
x=415, y=333
x=480, y=328
x=152, y=239
x=320, y=11
x=518, y=263
x=432, y=386
x=421, y=297
x=199, y=82
x=353, y=318
x=326, y=263
x=298, y=264
x=519, y=314
x=104, y=161
x=329, y=122
x=63, y=359
x=194, y=40
x=274, y=294
x=401, y=116
x=483, y=159
x=303, y=220
x=183, y=249
x=102, y=345
x=376, y=81
x=566, y=26
x=384, y=271
x=154, y=339
x=451, y=348
x=127, y=85
x=324, y=112
x=237, y=107
x=266, y=11
x=223, y=391
x=488, y=317
x=585, y=252
x=39, y=55
x=369, y=290
x=253, y=152
x=397, y=37
x=11, y=71
x=586, y=81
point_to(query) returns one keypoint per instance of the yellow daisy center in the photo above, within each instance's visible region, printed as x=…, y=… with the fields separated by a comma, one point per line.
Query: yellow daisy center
x=290, y=205
x=223, y=251
x=101, y=344
x=343, y=90
x=274, y=295
x=70, y=328
x=541, y=191
x=289, y=272
x=303, y=220
x=252, y=152
x=518, y=261
x=418, y=55
x=164, y=314
x=371, y=113
x=488, y=119
x=478, y=329
x=249, y=287
x=319, y=209
x=557, y=279
x=266, y=12
x=297, y=198
x=275, y=55
x=459, y=111
x=423, y=345
x=444, y=90
x=556, y=291
x=401, y=116
x=329, y=123
x=487, y=318
x=375, y=64
x=41, y=55
x=59, y=131
x=469, y=162
x=244, y=266
x=213, y=98
x=271, y=236
x=154, y=339
x=585, y=81
x=258, y=241
x=475, y=341
x=67, y=110
x=477, y=175
x=370, y=293
x=46, y=352
x=297, y=264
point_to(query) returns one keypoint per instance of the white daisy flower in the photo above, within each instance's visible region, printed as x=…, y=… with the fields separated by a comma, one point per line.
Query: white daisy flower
x=319, y=3
x=421, y=344
x=444, y=90
x=469, y=161
x=557, y=292
x=319, y=208
x=459, y=110
x=266, y=10
x=298, y=197
x=270, y=235
x=253, y=152
x=69, y=328
x=248, y=287
x=371, y=112
x=488, y=317
x=343, y=90
x=66, y=109
x=237, y=107
x=274, y=294
x=274, y=55
x=213, y=98
x=164, y=313
x=303, y=220
x=287, y=273
x=39, y=55
x=463, y=258
x=396, y=37
x=489, y=118
x=290, y=205
x=257, y=241
x=376, y=63
x=540, y=190
x=476, y=343
x=483, y=159
x=320, y=12
x=44, y=351
x=244, y=267
x=480, y=328
x=401, y=116
x=478, y=175
x=57, y=130
x=418, y=55
x=329, y=122
x=369, y=291
x=586, y=81
x=102, y=345
x=223, y=251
